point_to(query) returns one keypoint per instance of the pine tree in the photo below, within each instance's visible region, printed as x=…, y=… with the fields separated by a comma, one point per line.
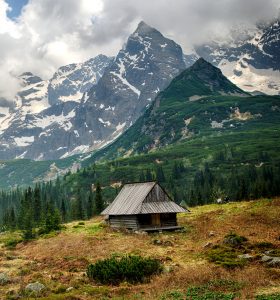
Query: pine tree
x=79, y=210
x=63, y=210
x=56, y=220
x=176, y=196
x=9, y=219
x=149, y=175
x=99, y=203
x=176, y=171
x=27, y=227
x=159, y=174
x=90, y=205
x=37, y=209
x=12, y=219
x=25, y=208
x=52, y=219
x=48, y=218
x=142, y=176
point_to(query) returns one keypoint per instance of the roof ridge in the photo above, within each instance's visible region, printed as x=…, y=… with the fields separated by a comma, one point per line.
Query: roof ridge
x=141, y=182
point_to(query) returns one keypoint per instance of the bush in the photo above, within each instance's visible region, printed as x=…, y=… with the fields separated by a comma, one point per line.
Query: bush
x=268, y=297
x=220, y=289
x=235, y=240
x=11, y=243
x=263, y=246
x=130, y=268
x=225, y=257
x=196, y=294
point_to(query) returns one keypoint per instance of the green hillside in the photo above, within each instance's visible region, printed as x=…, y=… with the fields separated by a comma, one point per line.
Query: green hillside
x=24, y=172
x=199, y=103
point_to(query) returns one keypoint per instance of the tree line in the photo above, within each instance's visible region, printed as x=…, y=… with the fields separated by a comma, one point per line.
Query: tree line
x=73, y=197
x=46, y=206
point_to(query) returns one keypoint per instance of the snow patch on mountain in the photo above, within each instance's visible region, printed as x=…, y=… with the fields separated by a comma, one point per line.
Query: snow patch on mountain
x=62, y=120
x=24, y=141
x=124, y=81
x=251, y=79
x=70, y=82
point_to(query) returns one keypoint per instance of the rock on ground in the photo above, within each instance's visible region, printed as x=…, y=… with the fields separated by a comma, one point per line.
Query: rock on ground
x=35, y=287
x=4, y=279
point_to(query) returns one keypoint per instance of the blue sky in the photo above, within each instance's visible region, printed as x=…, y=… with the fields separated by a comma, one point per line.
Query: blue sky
x=16, y=6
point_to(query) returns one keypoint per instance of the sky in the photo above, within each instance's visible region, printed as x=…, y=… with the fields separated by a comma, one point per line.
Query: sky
x=16, y=7
x=42, y=35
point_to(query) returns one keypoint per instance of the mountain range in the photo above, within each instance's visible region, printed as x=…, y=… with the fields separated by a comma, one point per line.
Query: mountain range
x=198, y=118
x=85, y=107
x=199, y=104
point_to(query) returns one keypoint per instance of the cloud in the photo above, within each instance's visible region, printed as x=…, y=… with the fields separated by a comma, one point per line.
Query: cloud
x=51, y=33
x=189, y=21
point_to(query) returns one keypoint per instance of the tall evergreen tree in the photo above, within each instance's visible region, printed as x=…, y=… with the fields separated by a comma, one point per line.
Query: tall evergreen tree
x=63, y=210
x=149, y=175
x=37, y=209
x=90, y=205
x=79, y=209
x=160, y=174
x=99, y=203
x=142, y=176
x=176, y=170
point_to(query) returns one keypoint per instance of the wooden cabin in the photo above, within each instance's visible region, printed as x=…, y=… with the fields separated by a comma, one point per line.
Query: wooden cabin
x=143, y=206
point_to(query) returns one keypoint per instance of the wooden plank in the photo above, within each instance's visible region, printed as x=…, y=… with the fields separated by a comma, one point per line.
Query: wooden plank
x=160, y=228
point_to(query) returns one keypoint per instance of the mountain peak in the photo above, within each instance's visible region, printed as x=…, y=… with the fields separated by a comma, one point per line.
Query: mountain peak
x=30, y=78
x=202, y=78
x=201, y=64
x=144, y=28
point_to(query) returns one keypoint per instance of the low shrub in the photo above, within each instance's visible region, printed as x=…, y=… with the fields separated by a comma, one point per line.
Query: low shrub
x=220, y=289
x=225, y=285
x=225, y=257
x=130, y=268
x=268, y=297
x=262, y=246
x=60, y=289
x=275, y=252
x=173, y=295
x=196, y=294
x=235, y=240
x=11, y=243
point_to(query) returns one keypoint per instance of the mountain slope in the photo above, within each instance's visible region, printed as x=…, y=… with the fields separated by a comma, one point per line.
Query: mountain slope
x=44, y=106
x=195, y=96
x=201, y=117
x=145, y=66
x=70, y=82
x=90, y=104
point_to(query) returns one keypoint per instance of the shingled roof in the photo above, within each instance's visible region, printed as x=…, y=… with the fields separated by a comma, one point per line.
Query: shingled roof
x=130, y=201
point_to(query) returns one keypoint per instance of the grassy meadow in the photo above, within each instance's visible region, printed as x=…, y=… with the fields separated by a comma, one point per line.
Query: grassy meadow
x=59, y=260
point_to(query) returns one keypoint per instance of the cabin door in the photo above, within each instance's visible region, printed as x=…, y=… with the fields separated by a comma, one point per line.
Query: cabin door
x=156, y=219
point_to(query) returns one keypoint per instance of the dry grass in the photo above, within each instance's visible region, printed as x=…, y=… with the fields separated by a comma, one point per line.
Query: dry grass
x=60, y=261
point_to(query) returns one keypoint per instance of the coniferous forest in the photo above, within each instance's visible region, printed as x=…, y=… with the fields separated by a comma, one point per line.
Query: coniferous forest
x=86, y=193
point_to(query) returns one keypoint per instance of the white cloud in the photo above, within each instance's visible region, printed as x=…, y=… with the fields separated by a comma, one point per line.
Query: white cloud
x=51, y=33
